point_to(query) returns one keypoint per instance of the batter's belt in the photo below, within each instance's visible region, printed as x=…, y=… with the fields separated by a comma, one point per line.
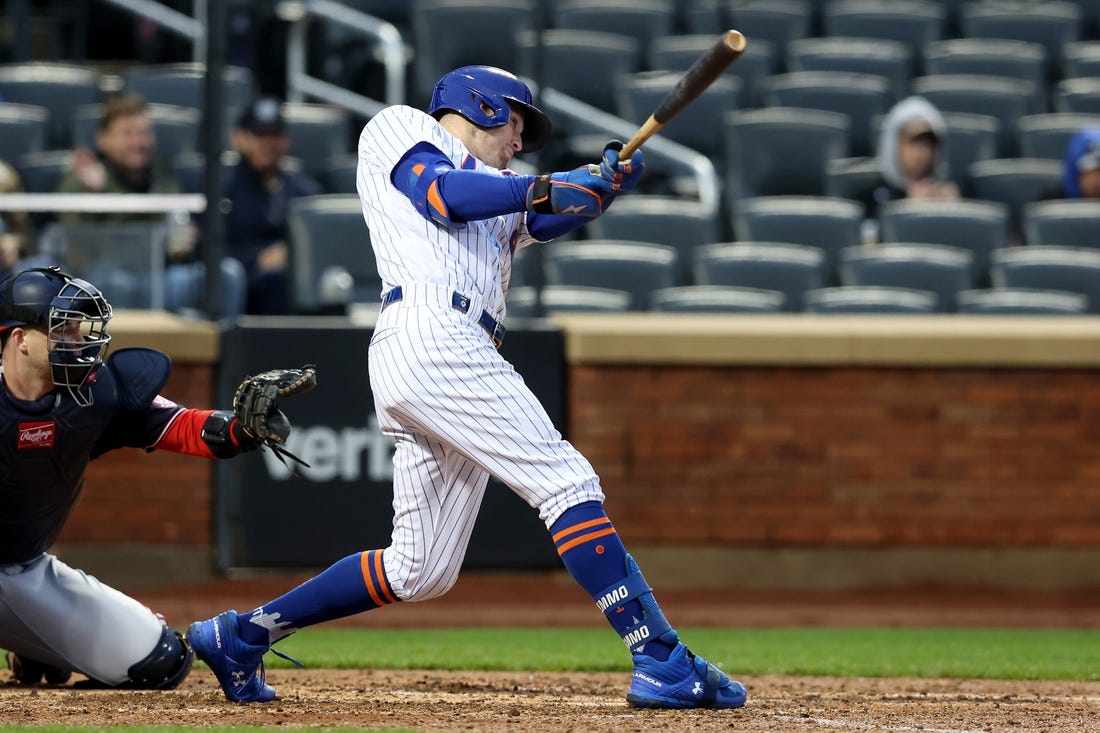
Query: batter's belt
x=461, y=303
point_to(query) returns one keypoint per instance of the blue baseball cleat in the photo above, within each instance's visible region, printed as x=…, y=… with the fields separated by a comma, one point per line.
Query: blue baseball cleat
x=684, y=681
x=238, y=666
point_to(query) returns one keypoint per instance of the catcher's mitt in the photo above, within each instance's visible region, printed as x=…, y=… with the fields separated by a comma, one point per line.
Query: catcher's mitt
x=256, y=402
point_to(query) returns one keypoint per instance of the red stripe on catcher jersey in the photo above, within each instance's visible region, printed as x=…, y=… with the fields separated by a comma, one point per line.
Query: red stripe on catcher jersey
x=184, y=435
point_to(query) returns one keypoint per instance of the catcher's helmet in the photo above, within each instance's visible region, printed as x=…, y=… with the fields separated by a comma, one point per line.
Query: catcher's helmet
x=74, y=314
x=482, y=94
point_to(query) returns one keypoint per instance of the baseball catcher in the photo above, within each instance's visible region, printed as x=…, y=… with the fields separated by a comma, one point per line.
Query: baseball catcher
x=62, y=405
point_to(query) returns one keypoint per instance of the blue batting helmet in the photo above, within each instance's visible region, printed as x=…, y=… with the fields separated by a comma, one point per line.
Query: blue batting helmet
x=482, y=94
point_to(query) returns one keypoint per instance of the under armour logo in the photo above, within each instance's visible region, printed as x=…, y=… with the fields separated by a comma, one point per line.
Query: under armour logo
x=239, y=678
x=698, y=689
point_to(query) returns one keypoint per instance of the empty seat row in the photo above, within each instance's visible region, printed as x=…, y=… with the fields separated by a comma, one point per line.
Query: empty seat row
x=531, y=302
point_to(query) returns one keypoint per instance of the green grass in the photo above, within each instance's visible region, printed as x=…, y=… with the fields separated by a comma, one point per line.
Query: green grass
x=962, y=653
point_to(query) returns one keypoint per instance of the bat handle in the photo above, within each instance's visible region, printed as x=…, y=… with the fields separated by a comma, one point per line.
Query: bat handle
x=648, y=129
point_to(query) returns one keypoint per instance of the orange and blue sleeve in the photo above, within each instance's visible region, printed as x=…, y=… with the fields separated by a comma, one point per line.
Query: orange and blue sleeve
x=452, y=196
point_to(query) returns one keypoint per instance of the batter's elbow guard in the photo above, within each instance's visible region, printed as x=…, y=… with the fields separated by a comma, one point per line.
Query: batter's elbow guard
x=225, y=435
x=166, y=666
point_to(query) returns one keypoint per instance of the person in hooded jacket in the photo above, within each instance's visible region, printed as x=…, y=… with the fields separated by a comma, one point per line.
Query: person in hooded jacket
x=910, y=156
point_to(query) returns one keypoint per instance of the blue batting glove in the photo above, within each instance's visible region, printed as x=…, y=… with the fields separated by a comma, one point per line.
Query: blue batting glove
x=622, y=175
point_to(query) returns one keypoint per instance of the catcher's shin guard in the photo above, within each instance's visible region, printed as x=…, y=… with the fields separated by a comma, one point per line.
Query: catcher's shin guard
x=166, y=666
x=652, y=624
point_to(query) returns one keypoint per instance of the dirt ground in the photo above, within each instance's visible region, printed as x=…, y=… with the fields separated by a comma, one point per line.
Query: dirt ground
x=545, y=702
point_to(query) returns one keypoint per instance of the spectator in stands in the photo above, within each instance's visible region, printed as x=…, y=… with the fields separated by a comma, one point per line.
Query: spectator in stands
x=124, y=161
x=260, y=191
x=15, y=226
x=1081, y=170
x=910, y=155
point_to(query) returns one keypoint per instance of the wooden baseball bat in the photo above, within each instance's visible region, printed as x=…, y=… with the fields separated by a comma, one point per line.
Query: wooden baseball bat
x=695, y=80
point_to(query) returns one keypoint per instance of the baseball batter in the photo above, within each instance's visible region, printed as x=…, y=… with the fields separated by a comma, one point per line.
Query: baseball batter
x=445, y=217
x=62, y=406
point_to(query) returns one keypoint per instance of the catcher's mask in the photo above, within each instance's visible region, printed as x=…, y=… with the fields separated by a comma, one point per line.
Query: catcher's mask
x=485, y=95
x=74, y=314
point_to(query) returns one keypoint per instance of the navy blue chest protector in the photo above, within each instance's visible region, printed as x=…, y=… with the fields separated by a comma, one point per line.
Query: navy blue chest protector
x=46, y=445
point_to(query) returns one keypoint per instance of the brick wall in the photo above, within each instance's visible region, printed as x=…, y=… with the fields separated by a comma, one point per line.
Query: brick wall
x=849, y=457
x=750, y=457
x=159, y=497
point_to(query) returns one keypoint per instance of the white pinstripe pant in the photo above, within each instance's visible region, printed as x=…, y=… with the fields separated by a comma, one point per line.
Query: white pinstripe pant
x=458, y=412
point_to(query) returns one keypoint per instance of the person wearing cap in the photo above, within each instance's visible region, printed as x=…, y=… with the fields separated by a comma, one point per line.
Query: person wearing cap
x=910, y=155
x=1081, y=165
x=259, y=190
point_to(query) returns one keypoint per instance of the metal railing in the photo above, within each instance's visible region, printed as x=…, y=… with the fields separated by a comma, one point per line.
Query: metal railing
x=181, y=24
x=300, y=13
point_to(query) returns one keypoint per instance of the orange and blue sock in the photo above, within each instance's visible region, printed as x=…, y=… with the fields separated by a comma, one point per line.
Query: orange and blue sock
x=352, y=585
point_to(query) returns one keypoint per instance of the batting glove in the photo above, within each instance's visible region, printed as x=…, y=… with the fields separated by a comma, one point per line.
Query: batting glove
x=622, y=175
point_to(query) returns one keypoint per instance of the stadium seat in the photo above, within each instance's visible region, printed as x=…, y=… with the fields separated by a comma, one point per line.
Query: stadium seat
x=825, y=223
x=680, y=223
x=914, y=23
x=176, y=128
x=639, y=268
x=577, y=299
x=776, y=21
x=1051, y=24
x=464, y=24
x=788, y=268
x=717, y=299
x=328, y=231
x=1048, y=135
x=678, y=53
x=522, y=302
x=759, y=145
x=933, y=268
x=318, y=132
x=22, y=130
x=1063, y=223
x=568, y=60
x=1006, y=99
x=852, y=178
x=889, y=59
x=978, y=226
x=1050, y=268
x=993, y=57
x=861, y=97
x=60, y=88
x=338, y=173
x=1078, y=96
x=643, y=20
x=1016, y=301
x=1016, y=182
x=857, y=299
x=183, y=85
x=699, y=125
x=1081, y=59
x=970, y=139
x=41, y=172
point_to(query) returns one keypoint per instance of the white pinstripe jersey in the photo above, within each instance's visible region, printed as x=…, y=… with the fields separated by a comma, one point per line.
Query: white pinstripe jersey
x=408, y=248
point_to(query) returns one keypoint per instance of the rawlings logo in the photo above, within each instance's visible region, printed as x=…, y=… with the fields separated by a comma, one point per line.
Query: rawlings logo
x=36, y=434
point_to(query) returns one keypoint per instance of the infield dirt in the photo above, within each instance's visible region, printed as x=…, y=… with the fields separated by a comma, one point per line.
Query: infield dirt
x=545, y=702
